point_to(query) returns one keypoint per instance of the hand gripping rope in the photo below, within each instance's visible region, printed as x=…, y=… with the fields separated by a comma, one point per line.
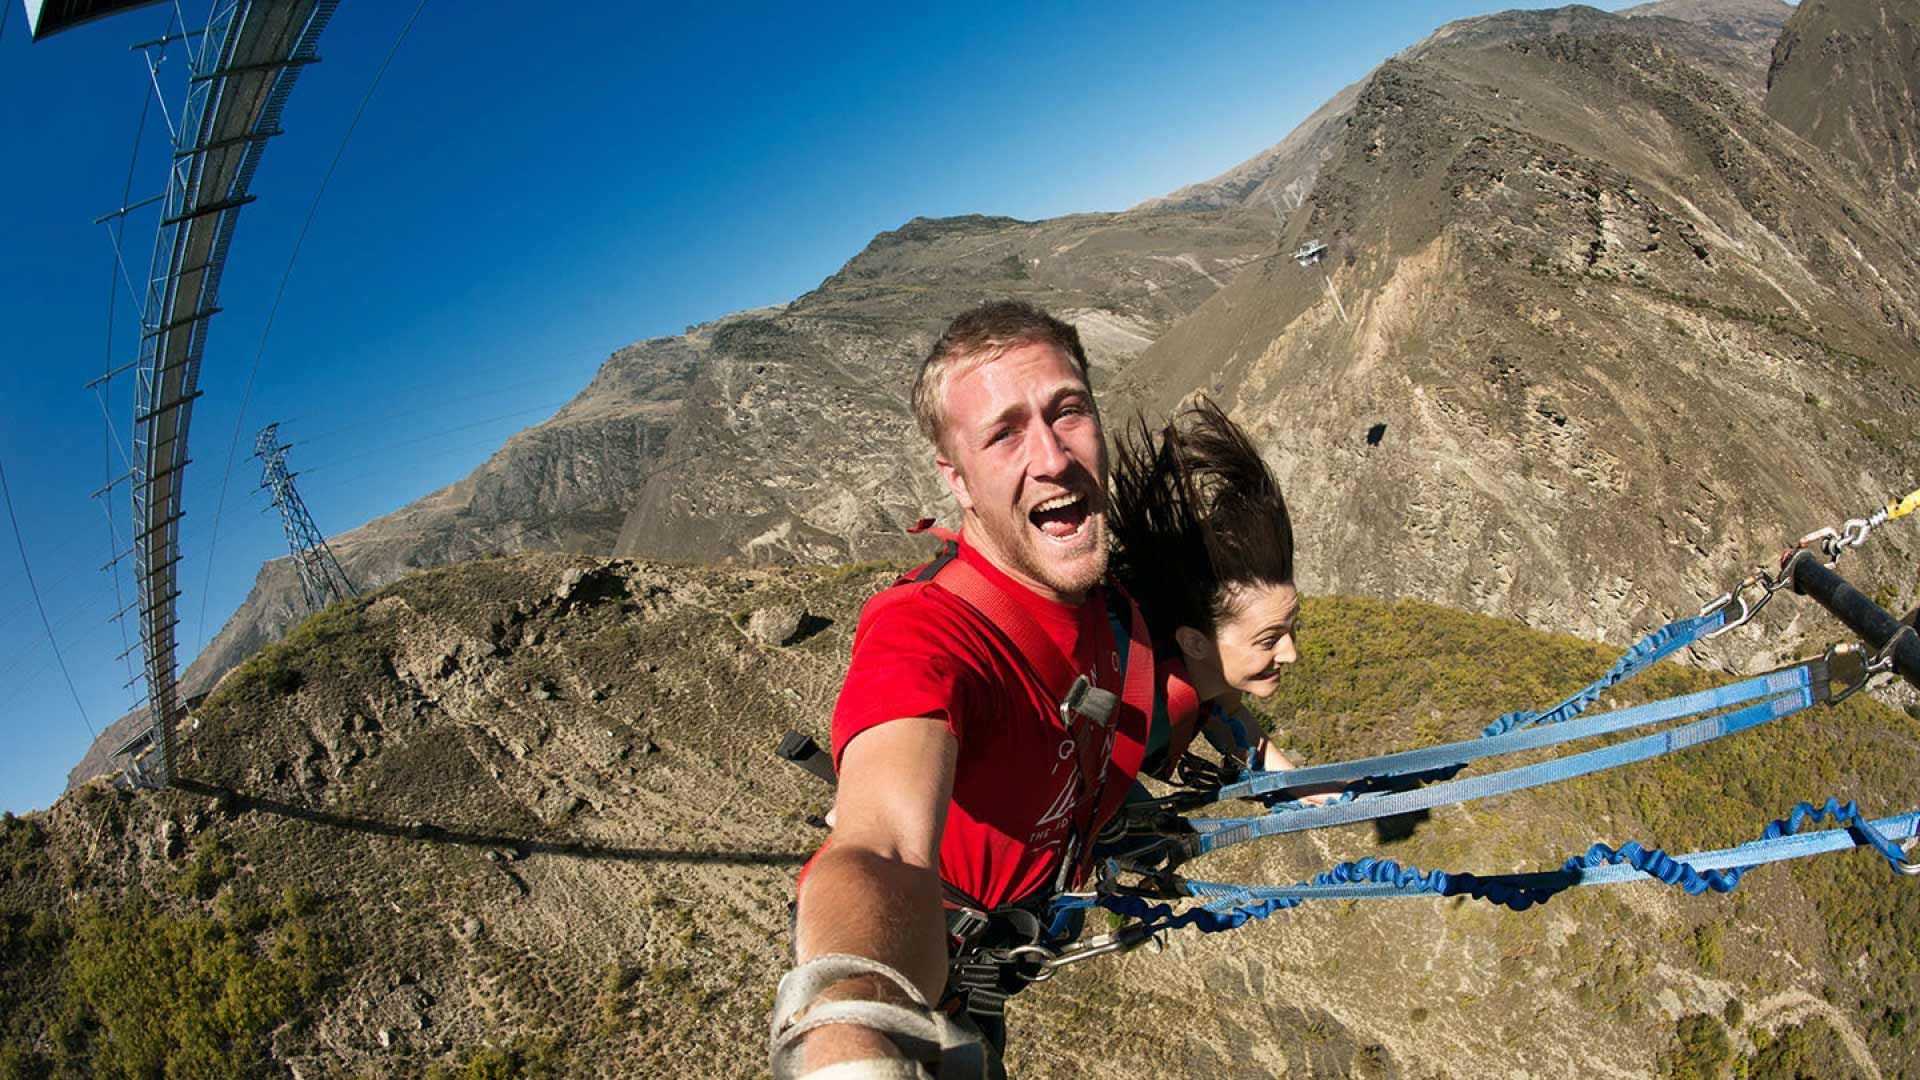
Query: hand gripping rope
x=1135, y=883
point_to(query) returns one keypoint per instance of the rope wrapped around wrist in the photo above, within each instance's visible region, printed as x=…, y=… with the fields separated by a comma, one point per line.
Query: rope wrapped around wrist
x=923, y=1033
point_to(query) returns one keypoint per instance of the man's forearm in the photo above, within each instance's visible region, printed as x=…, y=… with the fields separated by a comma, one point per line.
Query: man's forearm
x=862, y=902
x=868, y=904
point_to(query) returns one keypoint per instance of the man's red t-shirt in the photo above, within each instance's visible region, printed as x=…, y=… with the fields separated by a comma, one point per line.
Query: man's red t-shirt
x=1023, y=783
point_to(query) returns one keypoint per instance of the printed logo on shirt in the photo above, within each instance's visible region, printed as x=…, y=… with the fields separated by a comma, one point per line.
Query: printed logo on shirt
x=1061, y=808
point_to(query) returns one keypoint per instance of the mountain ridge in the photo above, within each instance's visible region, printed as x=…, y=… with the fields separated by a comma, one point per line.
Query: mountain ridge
x=782, y=434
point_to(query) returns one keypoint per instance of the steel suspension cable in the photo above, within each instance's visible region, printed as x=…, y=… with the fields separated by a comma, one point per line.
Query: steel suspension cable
x=246, y=396
x=20, y=541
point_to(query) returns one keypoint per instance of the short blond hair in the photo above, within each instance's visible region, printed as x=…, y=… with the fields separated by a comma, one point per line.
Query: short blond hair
x=981, y=335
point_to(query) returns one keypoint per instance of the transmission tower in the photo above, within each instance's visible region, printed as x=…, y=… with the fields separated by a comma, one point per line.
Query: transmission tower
x=320, y=575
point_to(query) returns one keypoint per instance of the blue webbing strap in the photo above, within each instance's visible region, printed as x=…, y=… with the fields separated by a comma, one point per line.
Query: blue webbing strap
x=1716, y=871
x=1445, y=762
x=1230, y=906
x=1212, y=834
x=1649, y=650
x=1460, y=753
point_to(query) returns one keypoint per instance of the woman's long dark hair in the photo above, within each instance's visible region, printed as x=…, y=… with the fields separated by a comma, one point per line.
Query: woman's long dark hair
x=1195, y=513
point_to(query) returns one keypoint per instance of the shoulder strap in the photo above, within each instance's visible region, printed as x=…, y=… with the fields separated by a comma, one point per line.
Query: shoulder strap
x=1136, y=694
x=1003, y=611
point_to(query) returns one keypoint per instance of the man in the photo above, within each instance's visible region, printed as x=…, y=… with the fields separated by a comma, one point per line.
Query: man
x=954, y=757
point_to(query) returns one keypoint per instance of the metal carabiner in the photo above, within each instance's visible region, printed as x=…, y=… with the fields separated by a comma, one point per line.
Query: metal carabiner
x=1125, y=939
x=1849, y=655
x=1831, y=543
x=1880, y=664
x=1907, y=867
x=1040, y=955
x=1768, y=586
x=1883, y=660
x=1720, y=603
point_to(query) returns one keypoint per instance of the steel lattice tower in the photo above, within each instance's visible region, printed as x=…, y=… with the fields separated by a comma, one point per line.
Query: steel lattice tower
x=320, y=575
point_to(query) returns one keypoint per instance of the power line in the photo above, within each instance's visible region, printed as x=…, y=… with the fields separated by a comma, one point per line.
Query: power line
x=22, y=544
x=432, y=435
x=313, y=209
x=60, y=628
x=65, y=571
x=435, y=406
x=12, y=687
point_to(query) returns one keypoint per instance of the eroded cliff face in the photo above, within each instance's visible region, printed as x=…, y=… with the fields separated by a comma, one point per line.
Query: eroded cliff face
x=1846, y=77
x=562, y=485
x=1607, y=336
x=799, y=444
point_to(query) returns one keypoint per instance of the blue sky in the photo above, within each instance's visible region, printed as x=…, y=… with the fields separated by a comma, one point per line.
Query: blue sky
x=529, y=188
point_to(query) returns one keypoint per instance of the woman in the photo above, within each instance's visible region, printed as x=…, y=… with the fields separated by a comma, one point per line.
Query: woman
x=1205, y=545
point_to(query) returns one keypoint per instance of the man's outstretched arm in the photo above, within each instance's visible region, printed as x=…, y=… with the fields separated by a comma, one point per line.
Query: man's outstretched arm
x=875, y=890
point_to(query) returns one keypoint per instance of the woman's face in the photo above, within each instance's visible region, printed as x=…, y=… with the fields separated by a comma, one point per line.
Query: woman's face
x=1247, y=648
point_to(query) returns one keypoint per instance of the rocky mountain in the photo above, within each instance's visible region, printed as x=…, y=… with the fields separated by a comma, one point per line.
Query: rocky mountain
x=711, y=445
x=1605, y=334
x=1846, y=77
x=520, y=818
x=1621, y=327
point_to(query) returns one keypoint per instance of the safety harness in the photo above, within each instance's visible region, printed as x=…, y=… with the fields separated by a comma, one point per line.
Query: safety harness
x=1137, y=887
x=997, y=953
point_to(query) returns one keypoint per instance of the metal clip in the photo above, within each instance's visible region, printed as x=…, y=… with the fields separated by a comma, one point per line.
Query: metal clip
x=1881, y=663
x=1085, y=699
x=1070, y=701
x=1883, y=660
x=1845, y=658
x=1907, y=866
x=1831, y=543
x=1768, y=586
x=1835, y=542
x=1854, y=532
x=1050, y=960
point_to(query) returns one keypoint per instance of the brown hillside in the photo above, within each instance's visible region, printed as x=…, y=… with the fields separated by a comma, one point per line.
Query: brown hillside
x=520, y=817
x=1846, y=77
x=1617, y=330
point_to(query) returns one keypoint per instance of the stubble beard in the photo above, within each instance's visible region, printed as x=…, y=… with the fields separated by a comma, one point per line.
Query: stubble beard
x=1070, y=569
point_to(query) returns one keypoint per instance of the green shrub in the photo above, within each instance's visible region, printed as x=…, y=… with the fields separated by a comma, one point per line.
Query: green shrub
x=211, y=867
x=1707, y=949
x=1700, y=1049
x=149, y=994
x=1811, y=1049
x=524, y=1059
x=265, y=677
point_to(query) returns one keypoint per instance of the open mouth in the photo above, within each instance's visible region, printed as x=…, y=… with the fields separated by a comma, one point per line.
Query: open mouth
x=1062, y=517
